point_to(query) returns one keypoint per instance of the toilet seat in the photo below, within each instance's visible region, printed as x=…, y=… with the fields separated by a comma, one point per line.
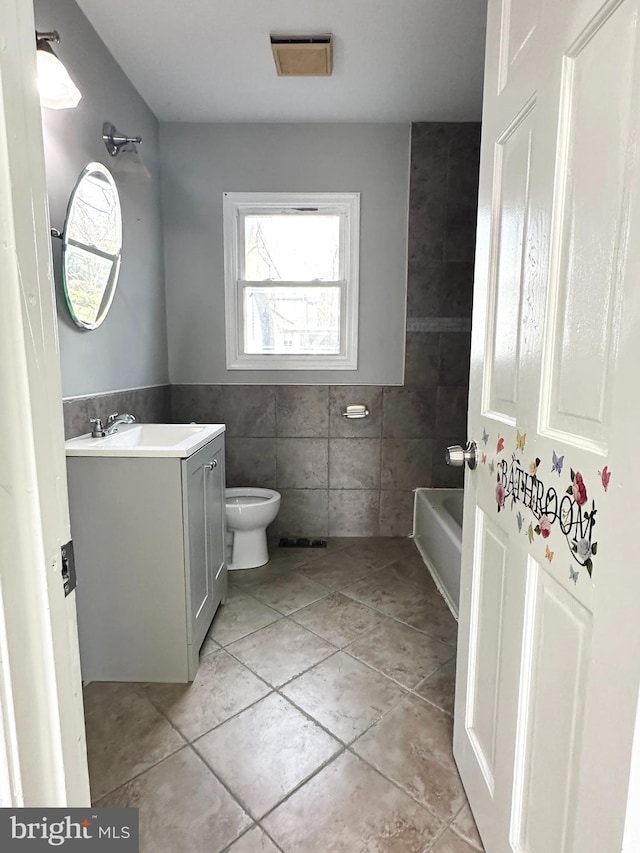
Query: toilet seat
x=250, y=495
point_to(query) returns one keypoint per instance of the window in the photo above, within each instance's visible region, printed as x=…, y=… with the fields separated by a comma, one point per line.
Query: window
x=291, y=280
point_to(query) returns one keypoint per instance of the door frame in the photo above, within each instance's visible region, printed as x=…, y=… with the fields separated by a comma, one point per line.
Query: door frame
x=42, y=739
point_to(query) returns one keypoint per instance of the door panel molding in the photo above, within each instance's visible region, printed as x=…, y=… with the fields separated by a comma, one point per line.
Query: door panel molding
x=544, y=798
x=485, y=643
x=599, y=81
x=509, y=223
x=519, y=22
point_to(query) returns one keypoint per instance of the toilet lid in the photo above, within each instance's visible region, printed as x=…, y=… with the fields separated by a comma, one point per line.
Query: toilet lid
x=246, y=500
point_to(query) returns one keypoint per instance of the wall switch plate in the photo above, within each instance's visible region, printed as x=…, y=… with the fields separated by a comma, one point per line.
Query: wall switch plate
x=68, y=568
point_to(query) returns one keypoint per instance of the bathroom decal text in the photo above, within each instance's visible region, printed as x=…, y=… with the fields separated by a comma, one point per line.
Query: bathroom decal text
x=569, y=510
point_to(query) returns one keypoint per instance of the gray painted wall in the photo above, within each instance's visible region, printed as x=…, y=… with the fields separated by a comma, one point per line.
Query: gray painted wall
x=200, y=162
x=130, y=348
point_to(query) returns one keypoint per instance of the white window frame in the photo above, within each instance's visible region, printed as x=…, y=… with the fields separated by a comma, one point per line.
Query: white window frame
x=236, y=206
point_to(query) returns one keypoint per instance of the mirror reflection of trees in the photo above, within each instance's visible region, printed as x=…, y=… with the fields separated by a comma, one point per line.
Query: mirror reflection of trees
x=92, y=246
x=95, y=215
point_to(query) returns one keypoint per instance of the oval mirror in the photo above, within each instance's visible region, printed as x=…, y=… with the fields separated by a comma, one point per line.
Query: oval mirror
x=92, y=246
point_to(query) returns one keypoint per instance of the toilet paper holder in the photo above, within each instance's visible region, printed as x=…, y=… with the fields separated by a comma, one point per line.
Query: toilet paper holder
x=358, y=411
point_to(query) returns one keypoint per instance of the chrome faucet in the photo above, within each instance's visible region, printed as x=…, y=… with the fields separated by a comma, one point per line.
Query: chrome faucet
x=113, y=422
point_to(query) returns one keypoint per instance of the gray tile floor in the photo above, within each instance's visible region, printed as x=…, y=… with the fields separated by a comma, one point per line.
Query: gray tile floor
x=320, y=718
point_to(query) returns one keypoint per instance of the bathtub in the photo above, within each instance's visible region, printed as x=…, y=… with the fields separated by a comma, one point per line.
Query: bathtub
x=437, y=531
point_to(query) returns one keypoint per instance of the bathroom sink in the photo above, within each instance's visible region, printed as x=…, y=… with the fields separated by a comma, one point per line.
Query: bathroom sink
x=146, y=440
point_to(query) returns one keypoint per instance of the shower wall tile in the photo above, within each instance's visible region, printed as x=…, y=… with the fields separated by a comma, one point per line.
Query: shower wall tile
x=302, y=463
x=449, y=271
x=354, y=512
x=354, y=463
x=422, y=359
x=406, y=463
x=249, y=411
x=464, y=164
x=409, y=412
x=451, y=418
x=424, y=288
x=302, y=410
x=429, y=161
x=341, y=396
x=456, y=292
x=455, y=353
x=426, y=231
x=251, y=462
x=460, y=233
x=303, y=512
x=396, y=512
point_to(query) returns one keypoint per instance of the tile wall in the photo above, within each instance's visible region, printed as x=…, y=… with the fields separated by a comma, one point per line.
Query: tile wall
x=443, y=200
x=355, y=478
x=337, y=477
x=149, y=405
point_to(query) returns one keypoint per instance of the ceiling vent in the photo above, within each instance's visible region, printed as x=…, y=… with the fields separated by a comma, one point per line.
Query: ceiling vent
x=303, y=56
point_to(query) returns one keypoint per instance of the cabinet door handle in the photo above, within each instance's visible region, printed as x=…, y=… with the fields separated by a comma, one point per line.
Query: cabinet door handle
x=212, y=465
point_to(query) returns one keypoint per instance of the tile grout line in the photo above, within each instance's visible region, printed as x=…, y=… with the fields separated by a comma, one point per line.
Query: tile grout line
x=458, y=833
x=303, y=782
x=446, y=822
x=146, y=769
x=277, y=690
x=403, y=791
x=256, y=825
x=336, y=649
x=363, y=604
x=345, y=745
x=236, y=797
x=293, y=677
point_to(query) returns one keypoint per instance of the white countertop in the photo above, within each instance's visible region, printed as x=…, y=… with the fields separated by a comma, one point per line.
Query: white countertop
x=145, y=440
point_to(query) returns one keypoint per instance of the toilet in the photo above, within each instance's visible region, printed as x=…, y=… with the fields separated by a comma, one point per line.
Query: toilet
x=249, y=512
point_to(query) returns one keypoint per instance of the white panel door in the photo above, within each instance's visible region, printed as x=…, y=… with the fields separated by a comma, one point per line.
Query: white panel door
x=549, y=649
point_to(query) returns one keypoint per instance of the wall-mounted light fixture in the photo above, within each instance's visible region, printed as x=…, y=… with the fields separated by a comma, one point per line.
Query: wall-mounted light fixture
x=57, y=89
x=116, y=142
x=125, y=151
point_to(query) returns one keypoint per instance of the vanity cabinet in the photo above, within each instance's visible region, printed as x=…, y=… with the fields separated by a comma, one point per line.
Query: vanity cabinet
x=149, y=542
x=203, y=485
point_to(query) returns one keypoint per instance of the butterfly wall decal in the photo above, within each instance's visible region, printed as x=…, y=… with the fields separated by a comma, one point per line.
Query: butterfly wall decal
x=519, y=519
x=548, y=554
x=530, y=533
x=573, y=575
x=605, y=476
x=556, y=463
x=483, y=458
x=533, y=468
x=492, y=467
x=520, y=439
x=485, y=437
x=500, y=445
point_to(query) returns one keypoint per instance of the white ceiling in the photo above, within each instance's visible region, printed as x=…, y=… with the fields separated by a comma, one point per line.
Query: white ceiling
x=211, y=61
